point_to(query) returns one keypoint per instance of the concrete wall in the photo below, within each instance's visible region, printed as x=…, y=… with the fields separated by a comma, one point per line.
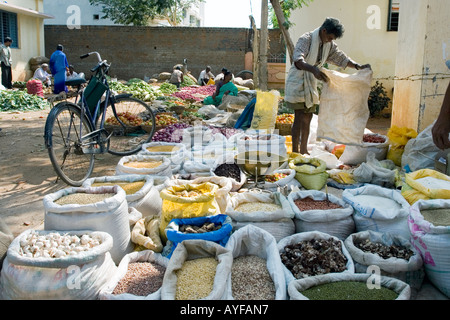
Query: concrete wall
x=366, y=39
x=144, y=51
x=423, y=48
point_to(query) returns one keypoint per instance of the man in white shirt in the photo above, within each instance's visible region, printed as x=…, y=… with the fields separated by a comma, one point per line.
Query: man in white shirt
x=42, y=74
x=6, y=62
x=205, y=75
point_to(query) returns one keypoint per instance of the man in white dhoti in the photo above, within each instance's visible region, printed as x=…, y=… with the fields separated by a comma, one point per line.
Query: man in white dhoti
x=312, y=51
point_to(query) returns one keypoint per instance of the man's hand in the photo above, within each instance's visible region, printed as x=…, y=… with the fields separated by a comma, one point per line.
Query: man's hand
x=320, y=75
x=364, y=66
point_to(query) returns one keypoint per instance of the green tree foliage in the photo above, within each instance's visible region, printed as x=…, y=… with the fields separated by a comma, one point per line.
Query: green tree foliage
x=140, y=12
x=287, y=6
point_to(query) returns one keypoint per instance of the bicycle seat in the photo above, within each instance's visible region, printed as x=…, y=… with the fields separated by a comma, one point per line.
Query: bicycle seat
x=75, y=82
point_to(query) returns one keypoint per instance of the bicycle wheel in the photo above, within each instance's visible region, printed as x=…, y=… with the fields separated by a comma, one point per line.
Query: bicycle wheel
x=63, y=141
x=130, y=123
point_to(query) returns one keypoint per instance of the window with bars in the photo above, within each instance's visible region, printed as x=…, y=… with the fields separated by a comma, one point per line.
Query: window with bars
x=8, y=27
x=393, y=18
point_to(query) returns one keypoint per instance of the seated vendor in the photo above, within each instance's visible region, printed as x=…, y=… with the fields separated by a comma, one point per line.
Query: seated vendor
x=42, y=74
x=227, y=87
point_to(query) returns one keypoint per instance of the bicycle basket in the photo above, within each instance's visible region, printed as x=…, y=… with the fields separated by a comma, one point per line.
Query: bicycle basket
x=94, y=92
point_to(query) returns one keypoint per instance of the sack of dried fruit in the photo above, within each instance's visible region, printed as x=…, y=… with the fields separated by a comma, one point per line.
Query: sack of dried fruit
x=257, y=270
x=429, y=222
x=269, y=211
x=392, y=254
x=197, y=270
x=187, y=201
x=379, y=209
x=314, y=211
x=139, y=276
x=96, y=208
x=310, y=172
x=141, y=193
x=54, y=265
x=322, y=253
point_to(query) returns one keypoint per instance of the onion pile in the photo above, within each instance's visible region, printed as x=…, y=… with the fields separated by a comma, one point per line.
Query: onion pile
x=195, y=93
x=171, y=133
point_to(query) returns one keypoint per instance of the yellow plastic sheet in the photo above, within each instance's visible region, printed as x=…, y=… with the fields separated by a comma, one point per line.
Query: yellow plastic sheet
x=420, y=190
x=266, y=109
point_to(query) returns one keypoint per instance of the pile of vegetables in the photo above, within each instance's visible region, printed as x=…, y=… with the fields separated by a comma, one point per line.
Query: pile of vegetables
x=287, y=118
x=163, y=120
x=138, y=88
x=18, y=100
x=195, y=93
x=168, y=88
x=171, y=133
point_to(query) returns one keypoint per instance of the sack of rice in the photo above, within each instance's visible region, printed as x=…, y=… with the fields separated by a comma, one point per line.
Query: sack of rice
x=55, y=265
x=99, y=209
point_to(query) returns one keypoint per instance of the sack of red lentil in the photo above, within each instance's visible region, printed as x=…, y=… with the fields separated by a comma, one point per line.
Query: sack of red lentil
x=96, y=208
x=314, y=213
x=269, y=211
x=54, y=265
x=392, y=254
x=254, y=247
x=197, y=270
x=144, y=165
x=138, y=277
x=429, y=222
x=379, y=209
x=141, y=193
x=348, y=286
x=327, y=254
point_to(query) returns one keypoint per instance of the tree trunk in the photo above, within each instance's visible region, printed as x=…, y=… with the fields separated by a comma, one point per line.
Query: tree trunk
x=263, y=73
x=255, y=47
x=281, y=21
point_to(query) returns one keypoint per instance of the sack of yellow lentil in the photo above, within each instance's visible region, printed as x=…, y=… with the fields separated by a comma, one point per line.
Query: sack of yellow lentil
x=197, y=270
x=140, y=190
x=310, y=172
x=145, y=165
x=176, y=152
x=187, y=201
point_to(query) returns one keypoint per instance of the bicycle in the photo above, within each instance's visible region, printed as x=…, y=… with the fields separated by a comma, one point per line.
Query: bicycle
x=98, y=121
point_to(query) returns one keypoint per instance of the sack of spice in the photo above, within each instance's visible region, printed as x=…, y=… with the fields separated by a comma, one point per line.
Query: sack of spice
x=55, y=274
x=429, y=222
x=322, y=253
x=348, y=286
x=310, y=172
x=138, y=277
x=226, y=167
x=393, y=254
x=141, y=193
x=144, y=165
x=97, y=208
x=197, y=270
x=378, y=209
x=313, y=210
x=268, y=211
x=269, y=284
x=215, y=228
x=187, y=201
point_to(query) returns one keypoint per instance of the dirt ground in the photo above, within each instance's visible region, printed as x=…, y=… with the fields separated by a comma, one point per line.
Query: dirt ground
x=27, y=175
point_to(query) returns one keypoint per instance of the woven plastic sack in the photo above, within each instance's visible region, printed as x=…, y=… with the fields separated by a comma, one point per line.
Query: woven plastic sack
x=429, y=182
x=73, y=277
x=251, y=240
x=297, y=286
x=432, y=242
x=310, y=172
x=143, y=256
x=176, y=205
x=345, y=94
x=176, y=155
x=145, y=234
x=164, y=169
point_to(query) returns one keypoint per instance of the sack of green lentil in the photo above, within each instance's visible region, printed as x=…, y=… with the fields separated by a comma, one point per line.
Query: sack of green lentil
x=215, y=228
x=269, y=211
x=314, y=213
x=347, y=286
x=140, y=191
x=310, y=172
x=379, y=209
x=429, y=222
x=54, y=265
x=138, y=277
x=257, y=270
x=187, y=201
x=322, y=254
x=96, y=208
x=144, y=165
x=176, y=152
x=197, y=270
x=393, y=254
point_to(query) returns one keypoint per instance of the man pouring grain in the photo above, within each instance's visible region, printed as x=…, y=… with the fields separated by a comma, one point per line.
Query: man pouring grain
x=312, y=51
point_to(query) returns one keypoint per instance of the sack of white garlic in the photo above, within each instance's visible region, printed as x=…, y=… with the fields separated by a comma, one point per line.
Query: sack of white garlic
x=57, y=265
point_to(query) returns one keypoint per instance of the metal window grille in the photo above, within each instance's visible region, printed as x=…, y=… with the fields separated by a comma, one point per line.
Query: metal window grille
x=8, y=27
x=277, y=58
x=393, y=18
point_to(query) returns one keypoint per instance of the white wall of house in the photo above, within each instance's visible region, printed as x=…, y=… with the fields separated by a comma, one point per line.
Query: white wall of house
x=365, y=40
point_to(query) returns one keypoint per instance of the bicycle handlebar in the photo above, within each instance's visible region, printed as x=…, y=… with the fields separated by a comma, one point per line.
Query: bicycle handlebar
x=100, y=61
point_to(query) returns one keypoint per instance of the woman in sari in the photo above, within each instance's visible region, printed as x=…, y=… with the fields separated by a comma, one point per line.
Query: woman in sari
x=225, y=88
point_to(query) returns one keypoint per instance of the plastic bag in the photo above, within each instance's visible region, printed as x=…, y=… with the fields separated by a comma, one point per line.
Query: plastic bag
x=420, y=152
x=398, y=138
x=344, y=109
x=251, y=240
x=374, y=172
x=266, y=110
x=431, y=183
x=310, y=172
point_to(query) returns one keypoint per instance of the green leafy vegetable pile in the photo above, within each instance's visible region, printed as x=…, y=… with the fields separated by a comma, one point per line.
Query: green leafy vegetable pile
x=18, y=100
